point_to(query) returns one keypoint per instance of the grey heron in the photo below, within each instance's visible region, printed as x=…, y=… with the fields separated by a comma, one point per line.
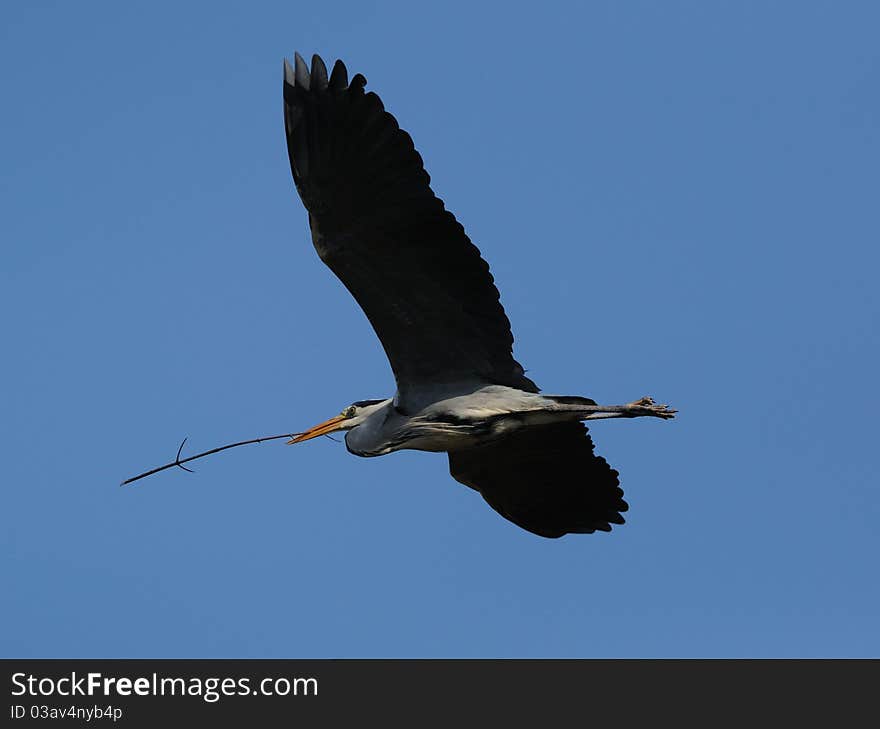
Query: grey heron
x=430, y=298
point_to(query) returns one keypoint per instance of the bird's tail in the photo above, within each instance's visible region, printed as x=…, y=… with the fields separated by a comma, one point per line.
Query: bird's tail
x=570, y=400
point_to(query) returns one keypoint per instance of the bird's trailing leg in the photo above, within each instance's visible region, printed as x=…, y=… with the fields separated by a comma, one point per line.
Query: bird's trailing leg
x=636, y=409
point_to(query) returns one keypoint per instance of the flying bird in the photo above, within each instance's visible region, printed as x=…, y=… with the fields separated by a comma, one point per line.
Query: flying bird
x=430, y=298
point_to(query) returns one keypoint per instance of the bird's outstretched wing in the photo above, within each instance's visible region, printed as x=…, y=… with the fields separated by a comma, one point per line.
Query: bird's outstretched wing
x=379, y=227
x=545, y=479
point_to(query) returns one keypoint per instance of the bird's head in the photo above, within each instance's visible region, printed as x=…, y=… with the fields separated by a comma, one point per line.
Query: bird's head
x=351, y=417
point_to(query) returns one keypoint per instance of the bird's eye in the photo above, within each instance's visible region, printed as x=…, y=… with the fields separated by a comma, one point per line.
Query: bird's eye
x=348, y=412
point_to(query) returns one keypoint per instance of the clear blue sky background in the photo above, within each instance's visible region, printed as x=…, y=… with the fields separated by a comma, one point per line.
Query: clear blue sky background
x=677, y=199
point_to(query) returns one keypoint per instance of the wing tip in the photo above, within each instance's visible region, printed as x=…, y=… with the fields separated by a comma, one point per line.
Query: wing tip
x=301, y=72
x=358, y=82
x=338, y=76
x=303, y=77
x=319, y=72
x=289, y=76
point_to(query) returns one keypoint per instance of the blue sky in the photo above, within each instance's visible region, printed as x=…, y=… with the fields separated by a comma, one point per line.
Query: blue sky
x=676, y=199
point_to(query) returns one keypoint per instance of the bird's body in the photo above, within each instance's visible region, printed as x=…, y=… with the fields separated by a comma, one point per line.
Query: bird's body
x=430, y=297
x=470, y=418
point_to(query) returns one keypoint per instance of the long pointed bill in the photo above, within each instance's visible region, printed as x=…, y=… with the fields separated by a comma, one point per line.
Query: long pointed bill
x=328, y=426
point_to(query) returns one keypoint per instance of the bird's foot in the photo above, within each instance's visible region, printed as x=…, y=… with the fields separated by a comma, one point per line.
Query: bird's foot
x=647, y=406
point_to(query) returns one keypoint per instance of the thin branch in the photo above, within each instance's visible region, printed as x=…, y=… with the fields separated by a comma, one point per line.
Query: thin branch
x=179, y=462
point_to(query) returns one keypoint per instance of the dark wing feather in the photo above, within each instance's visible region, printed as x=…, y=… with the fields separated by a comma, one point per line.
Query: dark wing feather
x=379, y=227
x=545, y=479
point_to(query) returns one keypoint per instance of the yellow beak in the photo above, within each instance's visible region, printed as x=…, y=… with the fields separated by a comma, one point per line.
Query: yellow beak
x=328, y=426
